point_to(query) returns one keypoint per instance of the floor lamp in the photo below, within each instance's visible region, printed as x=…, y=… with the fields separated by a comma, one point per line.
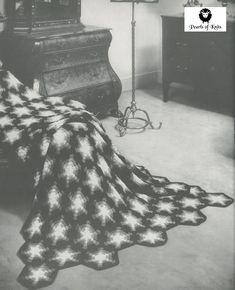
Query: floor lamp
x=130, y=113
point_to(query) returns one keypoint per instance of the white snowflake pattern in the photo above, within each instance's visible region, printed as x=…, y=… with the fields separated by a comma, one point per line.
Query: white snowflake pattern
x=87, y=235
x=160, y=221
x=22, y=152
x=151, y=237
x=190, y=202
x=13, y=135
x=101, y=257
x=137, y=180
x=5, y=121
x=61, y=139
x=131, y=221
x=118, y=238
x=2, y=107
x=217, y=199
x=47, y=168
x=35, y=226
x=166, y=206
x=55, y=100
x=54, y=197
x=78, y=204
x=138, y=206
x=85, y=148
x=59, y=231
x=28, y=121
x=76, y=104
x=12, y=81
x=66, y=255
x=70, y=170
x=32, y=95
x=189, y=217
x=15, y=99
x=35, y=251
x=176, y=187
x=196, y=191
x=104, y=212
x=38, y=105
x=21, y=111
x=39, y=274
x=115, y=195
x=93, y=180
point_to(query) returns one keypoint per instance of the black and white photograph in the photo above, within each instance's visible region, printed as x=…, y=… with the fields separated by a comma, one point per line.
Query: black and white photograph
x=117, y=144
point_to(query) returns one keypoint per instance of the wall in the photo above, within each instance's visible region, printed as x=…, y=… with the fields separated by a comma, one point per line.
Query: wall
x=148, y=34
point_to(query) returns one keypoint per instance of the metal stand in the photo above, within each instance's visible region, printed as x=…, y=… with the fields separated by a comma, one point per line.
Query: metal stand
x=130, y=113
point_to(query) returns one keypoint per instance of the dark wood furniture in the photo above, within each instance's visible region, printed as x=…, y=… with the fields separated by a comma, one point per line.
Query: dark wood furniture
x=69, y=61
x=204, y=60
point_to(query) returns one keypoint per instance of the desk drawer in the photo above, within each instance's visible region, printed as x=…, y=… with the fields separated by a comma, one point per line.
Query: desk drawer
x=54, y=61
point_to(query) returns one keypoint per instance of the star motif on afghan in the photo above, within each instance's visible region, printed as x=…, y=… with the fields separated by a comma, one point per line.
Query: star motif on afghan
x=12, y=81
x=39, y=274
x=115, y=195
x=93, y=180
x=189, y=217
x=55, y=100
x=63, y=109
x=54, y=197
x=217, y=199
x=78, y=204
x=21, y=111
x=70, y=170
x=35, y=251
x=151, y=237
x=32, y=95
x=131, y=221
x=28, y=121
x=48, y=165
x=104, y=212
x=100, y=257
x=104, y=166
x=36, y=226
x=118, y=238
x=61, y=139
x=13, y=135
x=176, y=187
x=66, y=255
x=138, y=206
x=166, y=206
x=22, y=152
x=15, y=99
x=59, y=231
x=5, y=121
x=161, y=221
x=85, y=148
x=38, y=105
x=190, y=202
x=196, y=191
x=87, y=235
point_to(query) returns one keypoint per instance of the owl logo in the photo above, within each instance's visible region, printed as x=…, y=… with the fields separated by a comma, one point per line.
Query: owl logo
x=205, y=15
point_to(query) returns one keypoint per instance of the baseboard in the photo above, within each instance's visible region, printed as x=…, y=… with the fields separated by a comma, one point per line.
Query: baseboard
x=149, y=79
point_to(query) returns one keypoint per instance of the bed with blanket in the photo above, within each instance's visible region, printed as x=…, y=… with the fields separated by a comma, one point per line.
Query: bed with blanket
x=89, y=201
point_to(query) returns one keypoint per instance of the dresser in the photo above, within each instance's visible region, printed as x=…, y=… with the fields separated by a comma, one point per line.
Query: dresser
x=67, y=61
x=204, y=60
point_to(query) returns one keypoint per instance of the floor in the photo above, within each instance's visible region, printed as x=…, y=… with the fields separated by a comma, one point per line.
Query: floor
x=194, y=145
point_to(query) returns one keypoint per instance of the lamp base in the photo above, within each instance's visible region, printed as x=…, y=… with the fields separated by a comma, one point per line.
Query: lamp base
x=130, y=120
